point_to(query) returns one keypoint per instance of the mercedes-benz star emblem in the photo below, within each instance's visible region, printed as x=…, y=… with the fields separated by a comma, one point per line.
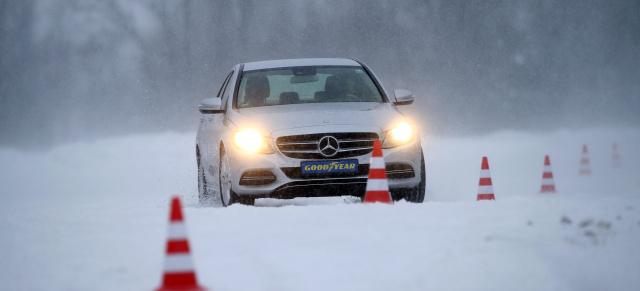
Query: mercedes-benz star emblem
x=328, y=146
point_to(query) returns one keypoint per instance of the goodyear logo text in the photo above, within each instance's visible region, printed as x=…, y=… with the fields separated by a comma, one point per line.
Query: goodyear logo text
x=329, y=166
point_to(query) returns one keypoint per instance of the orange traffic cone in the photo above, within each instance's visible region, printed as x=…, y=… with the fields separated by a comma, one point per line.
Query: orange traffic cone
x=377, y=185
x=585, y=167
x=547, y=177
x=485, y=186
x=615, y=157
x=179, y=273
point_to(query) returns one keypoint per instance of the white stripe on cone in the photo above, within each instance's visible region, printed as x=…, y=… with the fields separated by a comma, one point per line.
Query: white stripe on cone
x=377, y=185
x=177, y=230
x=548, y=182
x=485, y=189
x=377, y=163
x=178, y=263
x=584, y=166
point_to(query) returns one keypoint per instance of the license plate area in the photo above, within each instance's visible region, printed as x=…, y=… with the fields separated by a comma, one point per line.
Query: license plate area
x=324, y=167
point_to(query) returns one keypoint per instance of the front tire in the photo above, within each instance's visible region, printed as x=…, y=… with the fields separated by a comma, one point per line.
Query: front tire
x=204, y=193
x=227, y=197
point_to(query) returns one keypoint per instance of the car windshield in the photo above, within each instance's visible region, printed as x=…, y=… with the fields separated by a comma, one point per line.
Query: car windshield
x=296, y=85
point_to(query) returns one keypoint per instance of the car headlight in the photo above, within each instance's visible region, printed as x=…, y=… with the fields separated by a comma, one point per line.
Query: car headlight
x=401, y=134
x=251, y=141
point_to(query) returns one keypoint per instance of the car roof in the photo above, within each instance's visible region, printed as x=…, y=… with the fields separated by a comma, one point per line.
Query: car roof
x=252, y=66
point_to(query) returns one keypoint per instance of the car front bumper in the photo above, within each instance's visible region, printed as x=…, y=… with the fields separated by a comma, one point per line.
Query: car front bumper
x=278, y=176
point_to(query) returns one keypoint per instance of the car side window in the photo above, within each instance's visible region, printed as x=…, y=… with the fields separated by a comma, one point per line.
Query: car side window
x=224, y=84
x=227, y=89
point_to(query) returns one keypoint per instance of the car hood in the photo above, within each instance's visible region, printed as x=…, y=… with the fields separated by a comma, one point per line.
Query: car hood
x=318, y=117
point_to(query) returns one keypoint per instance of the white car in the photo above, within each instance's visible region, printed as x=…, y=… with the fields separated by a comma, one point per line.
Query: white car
x=304, y=128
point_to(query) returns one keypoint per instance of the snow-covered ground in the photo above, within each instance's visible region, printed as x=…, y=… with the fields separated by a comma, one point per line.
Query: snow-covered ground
x=93, y=216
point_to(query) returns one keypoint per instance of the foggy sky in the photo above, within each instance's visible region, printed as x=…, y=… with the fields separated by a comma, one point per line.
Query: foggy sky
x=77, y=70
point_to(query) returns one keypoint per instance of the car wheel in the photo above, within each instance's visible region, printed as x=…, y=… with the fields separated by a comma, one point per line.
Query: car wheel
x=204, y=194
x=227, y=197
x=417, y=193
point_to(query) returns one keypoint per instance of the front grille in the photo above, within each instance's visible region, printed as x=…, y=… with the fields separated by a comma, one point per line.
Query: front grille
x=305, y=146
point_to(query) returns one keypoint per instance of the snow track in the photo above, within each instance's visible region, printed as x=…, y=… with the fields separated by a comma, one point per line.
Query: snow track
x=93, y=216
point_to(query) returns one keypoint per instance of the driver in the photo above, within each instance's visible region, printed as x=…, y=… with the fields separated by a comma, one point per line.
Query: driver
x=350, y=91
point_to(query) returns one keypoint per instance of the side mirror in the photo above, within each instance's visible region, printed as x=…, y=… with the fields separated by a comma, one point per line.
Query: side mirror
x=403, y=97
x=211, y=106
